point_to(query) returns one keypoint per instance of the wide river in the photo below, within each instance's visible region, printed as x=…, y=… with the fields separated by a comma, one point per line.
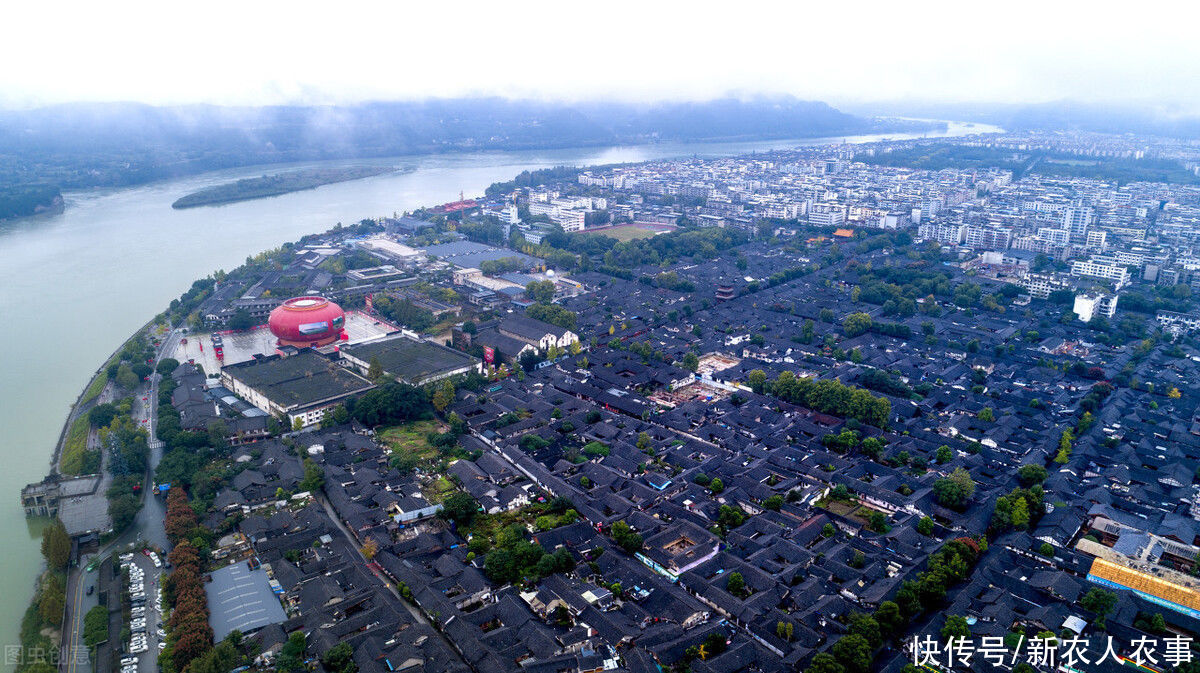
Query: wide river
x=75, y=285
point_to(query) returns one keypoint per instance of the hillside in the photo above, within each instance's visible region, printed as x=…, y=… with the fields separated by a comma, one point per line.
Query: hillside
x=119, y=144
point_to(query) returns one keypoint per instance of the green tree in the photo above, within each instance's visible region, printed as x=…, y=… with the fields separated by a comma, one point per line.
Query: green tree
x=955, y=490
x=866, y=626
x=52, y=601
x=166, y=366
x=889, y=618
x=644, y=441
x=1031, y=474
x=956, y=627
x=240, y=320
x=716, y=485
x=1020, y=514
x=877, y=521
x=375, y=370
x=540, y=291
x=944, y=454
x=56, y=545
x=626, y=538
x=757, y=380
x=314, y=477
x=736, y=585
x=460, y=508
x=291, y=655
x=925, y=526
x=102, y=415
x=1046, y=550
x=444, y=395
x=856, y=323
x=126, y=378
x=95, y=626
x=691, y=362
x=220, y=659
x=825, y=663
x=339, y=659
x=854, y=652
x=1099, y=601
x=774, y=502
x=987, y=415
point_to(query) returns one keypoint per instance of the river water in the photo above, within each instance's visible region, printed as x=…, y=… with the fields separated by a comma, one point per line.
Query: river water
x=75, y=285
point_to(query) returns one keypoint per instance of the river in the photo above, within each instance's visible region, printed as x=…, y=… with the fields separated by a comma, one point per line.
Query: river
x=75, y=285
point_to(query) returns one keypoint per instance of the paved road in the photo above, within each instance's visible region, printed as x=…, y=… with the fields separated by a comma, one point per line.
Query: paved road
x=75, y=656
x=148, y=527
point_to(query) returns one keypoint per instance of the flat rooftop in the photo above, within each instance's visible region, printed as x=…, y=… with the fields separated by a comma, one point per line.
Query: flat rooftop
x=469, y=254
x=299, y=380
x=241, y=599
x=409, y=360
x=82, y=505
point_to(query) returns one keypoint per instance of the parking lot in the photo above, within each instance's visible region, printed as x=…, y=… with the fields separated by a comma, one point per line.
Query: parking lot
x=146, y=619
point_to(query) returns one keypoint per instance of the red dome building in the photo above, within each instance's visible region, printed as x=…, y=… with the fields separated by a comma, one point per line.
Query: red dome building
x=307, y=321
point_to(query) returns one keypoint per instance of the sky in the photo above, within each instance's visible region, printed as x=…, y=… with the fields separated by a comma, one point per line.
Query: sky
x=254, y=52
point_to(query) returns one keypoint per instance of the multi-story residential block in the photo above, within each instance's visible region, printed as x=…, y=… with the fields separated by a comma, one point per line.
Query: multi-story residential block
x=988, y=238
x=1088, y=306
x=1100, y=268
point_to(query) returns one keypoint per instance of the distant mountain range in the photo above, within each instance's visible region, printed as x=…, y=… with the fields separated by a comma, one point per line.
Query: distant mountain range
x=1054, y=116
x=87, y=145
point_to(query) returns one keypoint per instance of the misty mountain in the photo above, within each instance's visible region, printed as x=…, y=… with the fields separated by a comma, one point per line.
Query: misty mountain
x=1054, y=116
x=87, y=145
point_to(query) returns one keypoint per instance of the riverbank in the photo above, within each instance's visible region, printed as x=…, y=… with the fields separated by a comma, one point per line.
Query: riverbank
x=19, y=201
x=276, y=185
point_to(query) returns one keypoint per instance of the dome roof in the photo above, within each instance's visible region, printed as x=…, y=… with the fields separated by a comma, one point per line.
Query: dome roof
x=307, y=321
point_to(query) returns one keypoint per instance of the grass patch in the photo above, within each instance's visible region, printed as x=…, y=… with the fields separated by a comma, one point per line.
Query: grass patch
x=413, y=438
x=848, y=509
x=624, y=234
x=438, y=490
x=94, y=388
x=488, y=526
x=76, y=458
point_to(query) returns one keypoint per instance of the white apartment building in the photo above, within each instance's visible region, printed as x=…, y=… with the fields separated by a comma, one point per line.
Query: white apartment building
x=1088, y=306
x=942, y=232
x=1101, y=269
x=1040, y=285
x=988, y=238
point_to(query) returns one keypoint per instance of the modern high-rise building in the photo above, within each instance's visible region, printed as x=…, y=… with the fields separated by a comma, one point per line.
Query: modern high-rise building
x=988, y=238
x=1077, y=219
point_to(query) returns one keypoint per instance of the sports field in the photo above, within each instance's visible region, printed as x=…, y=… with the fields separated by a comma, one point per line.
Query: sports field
x=629, y=232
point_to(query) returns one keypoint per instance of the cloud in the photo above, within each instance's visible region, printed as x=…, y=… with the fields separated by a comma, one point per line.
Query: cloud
x=251, y=52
